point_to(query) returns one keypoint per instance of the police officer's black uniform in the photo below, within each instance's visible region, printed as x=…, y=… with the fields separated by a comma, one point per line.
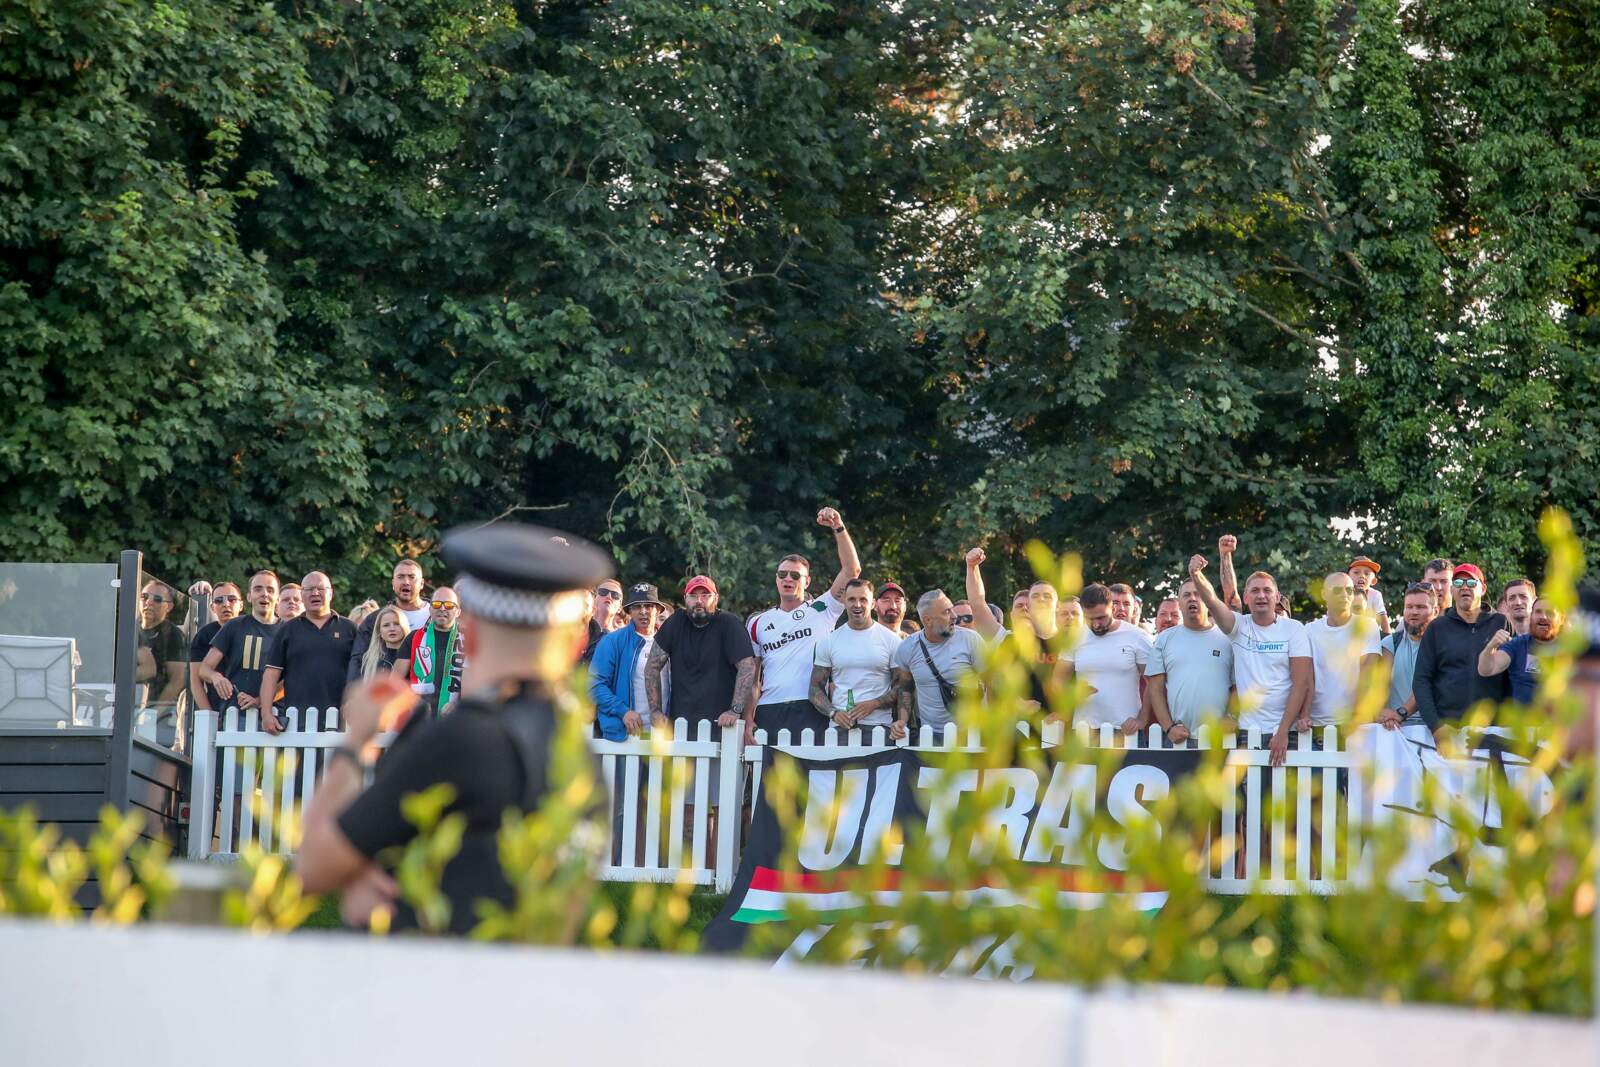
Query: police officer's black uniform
x=492, y=747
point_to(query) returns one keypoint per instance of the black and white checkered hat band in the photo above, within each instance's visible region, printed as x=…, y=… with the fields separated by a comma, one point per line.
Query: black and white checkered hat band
x=517, y=607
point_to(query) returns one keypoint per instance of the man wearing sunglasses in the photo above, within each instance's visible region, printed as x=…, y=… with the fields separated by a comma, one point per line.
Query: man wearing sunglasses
x=783, y=638
x=1446, y=683
x=608, y=613
x=161, y=646
x=433, y=657
x=226, y=603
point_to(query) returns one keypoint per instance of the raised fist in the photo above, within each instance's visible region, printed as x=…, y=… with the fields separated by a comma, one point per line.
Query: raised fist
x=830, y=518
x=975, y=557
x=1227, y=545
x=1500, y=637
x=1197, y=563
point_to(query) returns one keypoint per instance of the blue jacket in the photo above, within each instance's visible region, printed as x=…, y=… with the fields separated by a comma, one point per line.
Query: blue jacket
x=611, y=681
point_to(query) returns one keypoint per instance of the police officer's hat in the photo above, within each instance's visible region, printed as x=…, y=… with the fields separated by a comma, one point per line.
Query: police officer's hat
x=511, y=573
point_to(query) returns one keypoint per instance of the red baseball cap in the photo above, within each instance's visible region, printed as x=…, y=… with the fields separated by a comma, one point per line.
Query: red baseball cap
x=1471, y=569
x=700, y=581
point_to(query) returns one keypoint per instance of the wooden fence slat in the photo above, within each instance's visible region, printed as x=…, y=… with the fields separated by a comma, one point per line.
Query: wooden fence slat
x=630, y=810
x=652, y=827
x=1304, y=837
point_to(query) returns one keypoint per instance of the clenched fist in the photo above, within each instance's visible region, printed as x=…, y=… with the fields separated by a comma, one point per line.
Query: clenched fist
x=1500, y=637
x=830, y=518
x=1227, y=545
x=975, y=557
x=1197, y=563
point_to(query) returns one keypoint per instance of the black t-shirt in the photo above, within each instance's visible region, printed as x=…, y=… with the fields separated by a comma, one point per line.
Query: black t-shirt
x=197, y=652
x=704, y=662
x=313, y=660
x=470, y=750
x=595, y=634
x=243, y=643
x=165, y=642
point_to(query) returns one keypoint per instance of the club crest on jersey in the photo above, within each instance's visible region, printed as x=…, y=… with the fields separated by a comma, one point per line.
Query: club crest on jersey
x=797, y=613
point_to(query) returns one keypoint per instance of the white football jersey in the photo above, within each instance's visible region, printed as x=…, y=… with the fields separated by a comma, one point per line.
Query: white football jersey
x=784, y=641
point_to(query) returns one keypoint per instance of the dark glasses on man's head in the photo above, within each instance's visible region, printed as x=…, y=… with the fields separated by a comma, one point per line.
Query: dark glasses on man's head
x=793, y=576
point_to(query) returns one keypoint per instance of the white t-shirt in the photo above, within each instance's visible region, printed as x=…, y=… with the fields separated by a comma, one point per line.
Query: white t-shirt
x=1375, y=602
x=784, y=642
x=641, y=703
x=1111, y=664
x=416, y=618
x=1336, y=653
x=859, y=661
x=1261, y=657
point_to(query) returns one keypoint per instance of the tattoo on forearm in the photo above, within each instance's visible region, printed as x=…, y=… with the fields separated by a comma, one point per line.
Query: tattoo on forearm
x=900, y=684
x=652, y=678
x=743, y=684
x=819, y=692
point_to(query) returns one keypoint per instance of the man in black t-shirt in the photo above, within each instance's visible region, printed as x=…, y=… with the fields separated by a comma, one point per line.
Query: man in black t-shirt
x=521, y=622
x=309, y=654
x=232, y=666
x=161, y=658
x=713, y=666
x=226, y=602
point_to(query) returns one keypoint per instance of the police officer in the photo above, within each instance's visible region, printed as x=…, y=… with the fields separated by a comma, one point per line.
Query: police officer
x=522, y=593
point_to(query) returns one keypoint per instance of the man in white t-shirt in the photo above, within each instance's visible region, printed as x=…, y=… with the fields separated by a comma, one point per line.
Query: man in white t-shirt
x=1190, y=673
x=1272, y=672
x=851, y=669
x=1344, y=647
x=783, y=638
x=1110, y=656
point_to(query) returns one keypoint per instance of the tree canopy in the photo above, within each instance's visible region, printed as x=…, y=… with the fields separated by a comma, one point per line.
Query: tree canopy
x=304, y=284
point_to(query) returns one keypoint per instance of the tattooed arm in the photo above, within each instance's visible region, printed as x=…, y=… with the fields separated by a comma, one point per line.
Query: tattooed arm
x=743, y=685
x=652, y=680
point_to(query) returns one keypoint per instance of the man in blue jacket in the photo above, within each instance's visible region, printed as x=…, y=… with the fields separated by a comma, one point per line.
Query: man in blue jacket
x=616, y=673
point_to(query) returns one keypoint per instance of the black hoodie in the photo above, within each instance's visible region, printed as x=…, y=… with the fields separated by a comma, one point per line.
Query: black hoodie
x=1446, y=682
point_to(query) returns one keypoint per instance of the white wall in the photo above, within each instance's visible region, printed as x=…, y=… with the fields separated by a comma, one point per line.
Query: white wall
x=170, y=995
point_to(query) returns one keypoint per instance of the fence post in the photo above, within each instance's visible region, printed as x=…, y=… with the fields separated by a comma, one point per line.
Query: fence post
x=202, y=784
x=730, y=806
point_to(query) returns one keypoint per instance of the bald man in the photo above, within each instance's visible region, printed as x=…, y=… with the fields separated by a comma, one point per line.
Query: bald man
x=1344, y=646
x=308, y=656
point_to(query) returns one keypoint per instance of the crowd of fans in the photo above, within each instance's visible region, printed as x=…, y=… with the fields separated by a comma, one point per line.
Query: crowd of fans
x=852, y=656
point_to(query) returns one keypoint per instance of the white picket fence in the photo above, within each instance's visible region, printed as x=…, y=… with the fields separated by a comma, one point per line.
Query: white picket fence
x=677, y=802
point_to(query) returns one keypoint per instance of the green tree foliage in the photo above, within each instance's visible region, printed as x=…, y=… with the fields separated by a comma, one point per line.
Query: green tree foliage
x=303, y=284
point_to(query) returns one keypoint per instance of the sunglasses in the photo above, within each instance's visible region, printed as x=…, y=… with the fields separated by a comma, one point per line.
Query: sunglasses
x=963, y=618
x=1465, y=583
x=154, y=598
x=224, y=600
x=444, y=605
x=609, y=594
x=793, y=576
